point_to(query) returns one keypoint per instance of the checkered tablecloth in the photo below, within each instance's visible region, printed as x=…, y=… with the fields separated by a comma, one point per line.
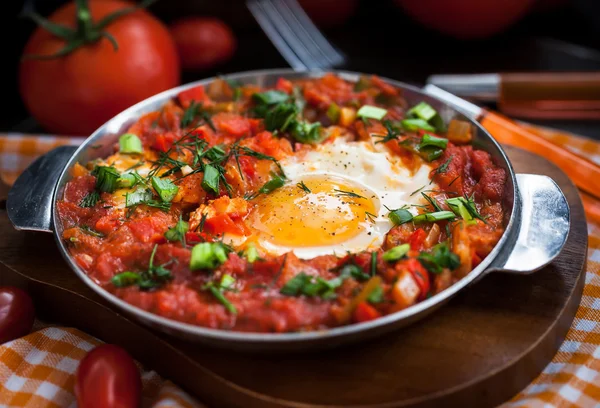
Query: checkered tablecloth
x=38, y=370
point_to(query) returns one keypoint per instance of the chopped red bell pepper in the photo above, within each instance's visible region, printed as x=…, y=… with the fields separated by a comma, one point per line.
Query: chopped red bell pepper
x=222, y=223
x=284, y=85
x=197, y=94
x=416, y=239
x=365, y=312
x=421, y=276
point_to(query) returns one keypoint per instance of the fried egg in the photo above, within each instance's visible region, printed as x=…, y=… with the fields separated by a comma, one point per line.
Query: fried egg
x=337, y=199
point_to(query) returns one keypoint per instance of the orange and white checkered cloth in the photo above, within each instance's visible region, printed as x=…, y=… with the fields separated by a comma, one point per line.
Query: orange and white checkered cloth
x=38, y=370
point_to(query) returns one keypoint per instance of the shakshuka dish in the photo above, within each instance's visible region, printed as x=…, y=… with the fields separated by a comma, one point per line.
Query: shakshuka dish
x=308, y=205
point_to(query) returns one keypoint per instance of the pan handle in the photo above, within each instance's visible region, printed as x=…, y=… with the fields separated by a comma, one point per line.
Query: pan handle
x=30, y=200
x=544, y=225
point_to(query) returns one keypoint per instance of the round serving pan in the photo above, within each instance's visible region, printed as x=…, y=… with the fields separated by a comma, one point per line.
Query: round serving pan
x=537, y=222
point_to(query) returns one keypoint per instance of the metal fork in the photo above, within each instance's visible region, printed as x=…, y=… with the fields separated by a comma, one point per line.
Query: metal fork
x=293, y=33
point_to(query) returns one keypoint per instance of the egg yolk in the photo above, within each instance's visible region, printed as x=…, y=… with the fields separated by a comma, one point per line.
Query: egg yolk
x=315, y=213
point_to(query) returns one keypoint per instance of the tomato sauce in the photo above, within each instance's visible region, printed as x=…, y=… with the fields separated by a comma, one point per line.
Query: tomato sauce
x=143, y=249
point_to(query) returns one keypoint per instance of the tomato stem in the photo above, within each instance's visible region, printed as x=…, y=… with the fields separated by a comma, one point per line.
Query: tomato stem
x=86, y=32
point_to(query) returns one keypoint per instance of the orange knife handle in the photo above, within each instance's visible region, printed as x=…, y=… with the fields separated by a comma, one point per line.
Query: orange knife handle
x=583, y=172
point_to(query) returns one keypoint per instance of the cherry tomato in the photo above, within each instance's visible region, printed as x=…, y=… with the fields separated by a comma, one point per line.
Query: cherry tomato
x=203, y=42
x=329, y=13
x=76, y=93
x=16, y=313
x=466, y=19
x=107, y=377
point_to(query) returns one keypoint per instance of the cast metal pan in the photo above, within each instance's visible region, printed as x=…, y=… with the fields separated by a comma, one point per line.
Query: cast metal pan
x=537, y=223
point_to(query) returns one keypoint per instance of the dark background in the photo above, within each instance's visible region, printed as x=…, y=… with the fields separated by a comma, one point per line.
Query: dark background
x=379, y=39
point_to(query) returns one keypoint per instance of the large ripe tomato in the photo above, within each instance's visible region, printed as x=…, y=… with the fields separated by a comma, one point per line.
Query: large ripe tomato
x=76, y=93
x=466, y=19
x=203, y=42
x=16, y=313
x=107, y=377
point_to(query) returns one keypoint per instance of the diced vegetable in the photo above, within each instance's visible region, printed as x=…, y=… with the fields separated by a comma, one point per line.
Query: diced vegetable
x=405, y=290
x=333, y=113
x=227, y=281
x=210, y=182
x=364, y=312
x=439, y=258
x=106, y=178
x=434, y=216
x=416, y=238
x=165, y=189
x=251, y=253
x=396, y=253
x=371, y=112
x=400, y=216
x=125, y=279
x=305, y=132
x=460, y=132
x=423, y=111
x=347, y=116
x=177, y=233
x=208, y=255
x=416, y=124
x=430, y=140
x=346, y=313
x=130, y=143
x=376, y=295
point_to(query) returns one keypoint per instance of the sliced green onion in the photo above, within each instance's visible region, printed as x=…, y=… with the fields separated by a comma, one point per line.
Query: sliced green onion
x=333, y=112
x=165, y=189
x=208, y=255
x=177, y=233
x=270, y=97
x=396, y=253
x=210, y=182
x=221, y=298
x=423, y=111
x=130, y=143
x=416, y=124
x=305, y=132
x=459, y=208
x=106, y=178
x=127, y=180
x=400, y=216
x=430, y=153
x=251, y=253
x=139, y=196
x=433, y=217
x=371, y=112
x=430, y=140
x=376, y=296
x=215, y=153
x=125, y=279
x=294, y=286
x=227, y=281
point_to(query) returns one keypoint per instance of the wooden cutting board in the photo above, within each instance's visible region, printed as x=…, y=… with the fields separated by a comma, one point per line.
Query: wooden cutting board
x=480, y=350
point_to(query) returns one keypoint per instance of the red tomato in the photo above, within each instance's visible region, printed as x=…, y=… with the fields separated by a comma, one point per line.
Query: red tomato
x=466, y=19
x=76, y=93
x=108, y=377
x=365, y=312
x=203, y=42
x=329, y=13
x=16, y=313
x=223, y=223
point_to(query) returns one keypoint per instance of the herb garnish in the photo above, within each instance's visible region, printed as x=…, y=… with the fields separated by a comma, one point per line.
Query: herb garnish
x=155, y=276
x=90, y=200
x=217, y=289
x=177, y=233
x=439, y=258
x=302, y=186
x=343, y=193
x=91, y=232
